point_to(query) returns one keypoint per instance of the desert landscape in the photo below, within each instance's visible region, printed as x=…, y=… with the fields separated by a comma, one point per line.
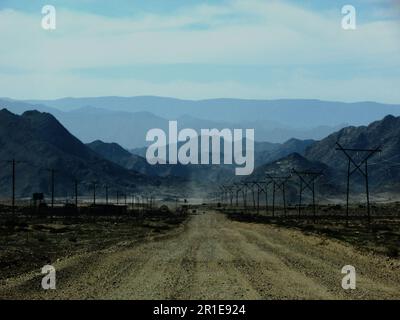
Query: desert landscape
x=203, y=255
x=199, y=150
x=115, y=227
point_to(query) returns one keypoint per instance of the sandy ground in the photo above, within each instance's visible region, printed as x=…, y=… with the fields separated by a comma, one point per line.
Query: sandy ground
x=212, y=257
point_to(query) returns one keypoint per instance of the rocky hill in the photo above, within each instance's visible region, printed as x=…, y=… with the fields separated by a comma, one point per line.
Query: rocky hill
x=40, y=143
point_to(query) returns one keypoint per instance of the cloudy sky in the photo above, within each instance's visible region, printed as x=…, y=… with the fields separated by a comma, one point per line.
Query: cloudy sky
x=201, y=49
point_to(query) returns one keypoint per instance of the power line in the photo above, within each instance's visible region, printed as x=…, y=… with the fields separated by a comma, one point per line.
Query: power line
x=52, y=174
x=94, y=184
x=280, y=183
x=13, y=168
x=368, y=153
x=307, y=181
x=76, y=182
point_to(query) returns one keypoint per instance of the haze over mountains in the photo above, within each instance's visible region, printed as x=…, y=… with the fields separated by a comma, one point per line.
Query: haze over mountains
x=265, y=152
x=41, y=143
x=288, y=112
x=325, y=187
x=127, y=120
x=384, y=167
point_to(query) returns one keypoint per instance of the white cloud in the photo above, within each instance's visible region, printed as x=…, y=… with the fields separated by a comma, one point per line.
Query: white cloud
x=237, y=33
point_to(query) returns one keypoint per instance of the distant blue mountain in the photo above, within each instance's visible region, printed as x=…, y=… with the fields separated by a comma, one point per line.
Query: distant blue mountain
x=279, y=113
x=129, y=129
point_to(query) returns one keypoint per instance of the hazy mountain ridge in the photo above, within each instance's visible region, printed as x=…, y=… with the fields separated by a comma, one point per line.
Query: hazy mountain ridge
x=40, y=143
x=43, y=142
x=295, y=113
x=384, y=166
x=95, y=119
x=283, y=167
x=115, y=153
x=200, y=174
x=277, y=151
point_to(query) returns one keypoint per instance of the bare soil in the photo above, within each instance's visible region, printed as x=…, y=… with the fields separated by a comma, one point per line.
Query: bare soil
x=28, y=243
x=213, y=257
x=380, y=234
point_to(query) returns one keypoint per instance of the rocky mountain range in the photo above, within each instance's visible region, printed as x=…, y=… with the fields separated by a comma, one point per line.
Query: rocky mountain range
x=265, y=152
x=39, y=143
x=94, y=119
x=383, y=166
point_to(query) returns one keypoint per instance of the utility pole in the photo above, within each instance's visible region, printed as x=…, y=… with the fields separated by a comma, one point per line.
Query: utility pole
x=307, y=180
x=266, y=184
x=222, y=195
x=13, y=163
x=260, y=189
x=273, y=199
x=52, y=173
x=230, y=193
x=368, y=153
x=279, y=182
x=244, y=195
x=250, y=186
x=76, y=193
x=94, y=192
x=238, y=189
x=140, y=201
x=13, y=186
x=258, y=196
x=106, y=186
x=52, y=188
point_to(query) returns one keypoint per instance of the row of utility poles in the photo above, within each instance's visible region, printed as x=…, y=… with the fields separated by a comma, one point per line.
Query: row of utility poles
x=227, y=193
x=278, y=182
x=119, y=196
x=357, y=161
x=142, y=199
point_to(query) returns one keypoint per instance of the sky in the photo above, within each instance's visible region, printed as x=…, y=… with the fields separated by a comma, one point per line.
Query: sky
x=192, y=49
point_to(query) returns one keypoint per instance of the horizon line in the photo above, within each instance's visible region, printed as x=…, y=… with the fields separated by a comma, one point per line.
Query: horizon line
x=197, y=100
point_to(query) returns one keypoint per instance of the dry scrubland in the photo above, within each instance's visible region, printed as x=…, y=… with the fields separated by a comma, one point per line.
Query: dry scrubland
x=380, y=235
x=208, y=255
x=28, y=244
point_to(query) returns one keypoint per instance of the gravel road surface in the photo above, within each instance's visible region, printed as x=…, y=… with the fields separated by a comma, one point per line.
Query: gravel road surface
x=212, y=257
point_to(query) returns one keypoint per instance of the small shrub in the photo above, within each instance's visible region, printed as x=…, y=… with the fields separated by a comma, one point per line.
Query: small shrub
x=392, y=251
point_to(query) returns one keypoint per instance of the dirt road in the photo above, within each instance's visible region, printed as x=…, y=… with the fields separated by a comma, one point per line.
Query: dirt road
x=212, y=257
